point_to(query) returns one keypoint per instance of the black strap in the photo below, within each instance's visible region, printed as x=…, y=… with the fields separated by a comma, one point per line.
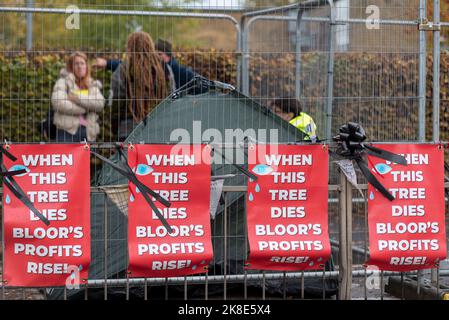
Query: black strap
x=12, y=185
x=239, y=167
x=130, y=175
x=134, y=179
x=12, y=173
x=7, y=153
x=350, y=146
x=144, y=190
x=372, y=179
x=384, y=154
x=335, y=155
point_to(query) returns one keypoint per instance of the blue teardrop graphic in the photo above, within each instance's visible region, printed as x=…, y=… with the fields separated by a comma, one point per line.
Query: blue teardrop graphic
x=143, y=169
x=311, y=263
x=131, y=198
x=18, y=167
x=382, y=168
x=251, y=180
x=137, y=190
x=262, y=169
x=251, y=197
x=257, y=188
x=194, y=267
x=371, y=196
x=7, y=199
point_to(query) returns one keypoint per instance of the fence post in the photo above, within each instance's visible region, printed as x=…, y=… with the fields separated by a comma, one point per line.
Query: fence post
x=29, y=23
x=422, y=74
x=436, y=71
x=298, y=55
x=436, y=88
x=244, y=65
x=345, y=251
x=330, y=71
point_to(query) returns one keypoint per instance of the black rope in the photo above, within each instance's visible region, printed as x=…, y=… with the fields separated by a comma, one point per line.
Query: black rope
x=239, y=167
x=384, y=154
x=130, y=172
x=17, y=191
x=5, y=152
x=12, y=185
x=350, y=141
x=12, y=173
x=144, y=190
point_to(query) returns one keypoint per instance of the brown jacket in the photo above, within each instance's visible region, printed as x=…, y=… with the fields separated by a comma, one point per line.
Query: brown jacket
x=67, y=113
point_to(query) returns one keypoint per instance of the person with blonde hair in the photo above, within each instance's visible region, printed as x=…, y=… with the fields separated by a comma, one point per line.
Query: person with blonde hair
x=76, y=102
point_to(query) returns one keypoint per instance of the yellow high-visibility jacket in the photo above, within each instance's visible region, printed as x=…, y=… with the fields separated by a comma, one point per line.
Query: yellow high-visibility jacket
x=306, y=125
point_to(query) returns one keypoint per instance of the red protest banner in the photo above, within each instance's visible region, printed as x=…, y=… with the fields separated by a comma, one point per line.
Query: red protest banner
x=287, y=207
x=180, y=174
x=408, y=233
x=57, y=182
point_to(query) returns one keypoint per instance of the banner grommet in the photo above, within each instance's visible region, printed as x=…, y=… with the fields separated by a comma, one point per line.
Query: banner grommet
x=7, y=145
x=86, y=145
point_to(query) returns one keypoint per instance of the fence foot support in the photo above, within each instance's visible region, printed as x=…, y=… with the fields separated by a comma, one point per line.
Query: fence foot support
x=410, y=291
